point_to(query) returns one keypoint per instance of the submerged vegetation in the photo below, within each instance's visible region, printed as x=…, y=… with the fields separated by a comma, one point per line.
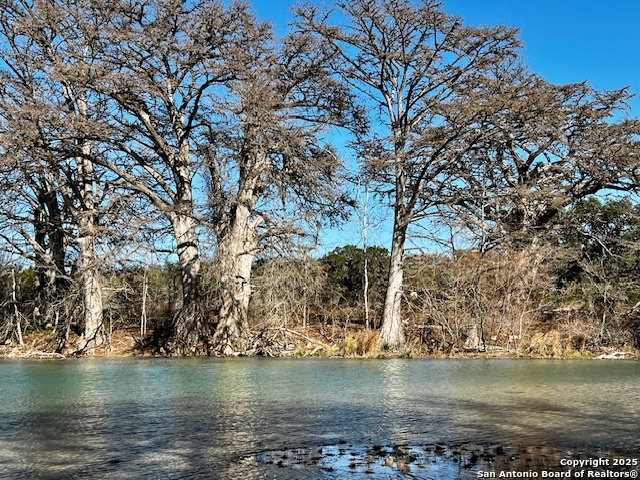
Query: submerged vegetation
x=166, y=168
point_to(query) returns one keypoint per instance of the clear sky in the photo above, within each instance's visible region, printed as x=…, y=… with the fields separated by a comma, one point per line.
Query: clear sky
x=564, y=40
x=570, y=40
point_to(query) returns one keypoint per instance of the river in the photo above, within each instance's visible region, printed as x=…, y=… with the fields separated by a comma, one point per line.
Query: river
x=283, y=418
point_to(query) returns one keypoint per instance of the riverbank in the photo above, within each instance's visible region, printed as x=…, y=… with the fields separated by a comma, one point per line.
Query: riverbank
x=319, y=341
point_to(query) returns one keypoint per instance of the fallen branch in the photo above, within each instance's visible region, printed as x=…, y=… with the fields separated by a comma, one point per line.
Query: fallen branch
x=613, y=355
x=307, y=338
x=138, y=342
x=39, y=354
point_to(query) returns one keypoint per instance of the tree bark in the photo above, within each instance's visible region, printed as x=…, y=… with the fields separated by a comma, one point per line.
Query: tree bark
x=94, y=334
x=392, y=333
x=189, y=324
x=236, y=250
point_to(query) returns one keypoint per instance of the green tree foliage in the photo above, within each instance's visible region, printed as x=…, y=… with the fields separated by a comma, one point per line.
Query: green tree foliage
x=345, y=268
x=602, y=244
x=609, y=227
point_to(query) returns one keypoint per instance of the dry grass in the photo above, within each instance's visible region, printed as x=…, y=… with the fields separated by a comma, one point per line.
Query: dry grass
x=359, y=344
x=561, y=341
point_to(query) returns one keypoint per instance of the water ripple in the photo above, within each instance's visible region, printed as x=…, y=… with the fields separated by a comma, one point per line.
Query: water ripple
x=205, y=418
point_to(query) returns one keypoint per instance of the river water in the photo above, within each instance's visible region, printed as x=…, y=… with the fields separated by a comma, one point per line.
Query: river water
x=239, y=418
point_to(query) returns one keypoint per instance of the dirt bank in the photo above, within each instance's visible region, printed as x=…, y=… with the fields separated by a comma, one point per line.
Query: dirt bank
x=271, y=341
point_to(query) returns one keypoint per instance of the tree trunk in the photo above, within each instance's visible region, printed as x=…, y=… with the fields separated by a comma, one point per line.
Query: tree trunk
x=189, y=323
x=87, y=216
x=392, y=332
x=94, y=334
x=236, y=250
x=49, y=249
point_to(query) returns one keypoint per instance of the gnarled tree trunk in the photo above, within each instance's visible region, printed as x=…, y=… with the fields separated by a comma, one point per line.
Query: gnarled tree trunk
x=189, y=323
x=94, y=334
x=236, y=251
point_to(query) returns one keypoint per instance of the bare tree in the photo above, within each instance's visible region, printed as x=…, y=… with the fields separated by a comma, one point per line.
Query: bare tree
x=271, y=173
x=46, y=109
x=550, y=146
x=422, y=71
x=149, y=93
x=163, y=72
x=34, y=221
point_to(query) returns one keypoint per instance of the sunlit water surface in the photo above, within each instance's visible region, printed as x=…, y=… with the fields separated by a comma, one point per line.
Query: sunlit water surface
x=213, y=418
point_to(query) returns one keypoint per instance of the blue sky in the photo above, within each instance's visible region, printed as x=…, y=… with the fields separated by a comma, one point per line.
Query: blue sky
x=565, y=41
x=569, y=40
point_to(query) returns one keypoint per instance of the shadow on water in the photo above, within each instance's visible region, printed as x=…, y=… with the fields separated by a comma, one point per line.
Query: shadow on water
x=299, y=420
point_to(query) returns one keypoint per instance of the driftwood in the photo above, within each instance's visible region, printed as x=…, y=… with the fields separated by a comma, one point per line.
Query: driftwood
x=40, y=354
x=613, y=355
x=280, y=342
